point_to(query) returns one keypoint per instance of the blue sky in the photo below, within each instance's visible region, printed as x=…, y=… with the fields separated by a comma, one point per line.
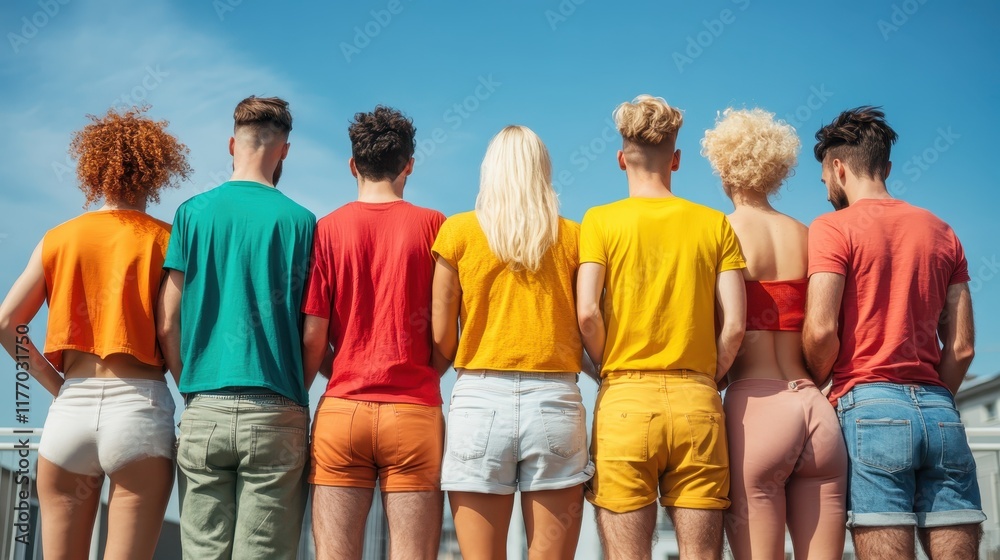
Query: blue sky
x=464, y=70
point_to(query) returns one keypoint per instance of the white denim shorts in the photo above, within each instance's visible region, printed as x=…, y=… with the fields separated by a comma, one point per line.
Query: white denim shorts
x=510, y=431
x=98, y=425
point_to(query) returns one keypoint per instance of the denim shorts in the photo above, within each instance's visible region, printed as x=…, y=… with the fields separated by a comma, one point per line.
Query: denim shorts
x=510, y=431
x=910, y=462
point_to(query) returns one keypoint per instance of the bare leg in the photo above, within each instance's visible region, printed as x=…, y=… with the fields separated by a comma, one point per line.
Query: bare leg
x=958, y=542
x=552, y=521
x=68, y=503
x=877, y=543
x=414, y=524
x=627, y=536
x=338, y=523
x=699, y=532
x=139, y=494
x=481, y=521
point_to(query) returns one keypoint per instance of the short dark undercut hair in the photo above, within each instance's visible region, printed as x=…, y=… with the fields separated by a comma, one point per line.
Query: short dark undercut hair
x=382, y=143
x=266, y=117
x=859, y=137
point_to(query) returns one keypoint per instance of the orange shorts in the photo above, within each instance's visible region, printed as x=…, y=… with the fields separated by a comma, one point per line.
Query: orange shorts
x=356, y=442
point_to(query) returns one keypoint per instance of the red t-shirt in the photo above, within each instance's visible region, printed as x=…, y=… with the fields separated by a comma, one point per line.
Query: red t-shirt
x=371, y=276
x=898, y=261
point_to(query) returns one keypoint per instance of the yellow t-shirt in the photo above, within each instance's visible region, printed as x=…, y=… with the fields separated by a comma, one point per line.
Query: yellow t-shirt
x=514, y=320
x=662, y=256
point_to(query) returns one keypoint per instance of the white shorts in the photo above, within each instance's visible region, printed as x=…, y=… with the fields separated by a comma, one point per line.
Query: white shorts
x=510, y=431
x=98, y=425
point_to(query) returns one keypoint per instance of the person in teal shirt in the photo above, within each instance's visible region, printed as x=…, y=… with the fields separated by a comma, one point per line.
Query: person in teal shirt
x=230, y=329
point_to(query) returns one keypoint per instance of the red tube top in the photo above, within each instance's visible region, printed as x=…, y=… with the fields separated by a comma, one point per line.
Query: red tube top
x=778, y=305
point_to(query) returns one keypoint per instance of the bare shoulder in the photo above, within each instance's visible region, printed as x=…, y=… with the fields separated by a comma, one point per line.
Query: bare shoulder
x=791, y=227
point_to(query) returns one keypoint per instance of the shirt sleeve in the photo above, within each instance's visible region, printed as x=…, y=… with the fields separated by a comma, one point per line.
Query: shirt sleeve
x=829, y=250
x=321, y=282
x=730, y=256
x=592, y=247
x=176, y=257
x=446, y=243
x=573, y=241
x=961, y=273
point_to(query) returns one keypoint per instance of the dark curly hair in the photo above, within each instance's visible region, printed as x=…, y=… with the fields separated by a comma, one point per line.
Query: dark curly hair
x=382, y=143
x=127, y=158
x=861, y=138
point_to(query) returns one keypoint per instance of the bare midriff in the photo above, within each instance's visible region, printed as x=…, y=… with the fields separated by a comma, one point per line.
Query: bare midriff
x=770, y=355
x=79, y=365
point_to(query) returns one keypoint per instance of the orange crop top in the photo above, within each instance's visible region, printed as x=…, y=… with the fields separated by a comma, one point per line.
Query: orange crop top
x=102, y=277
x=776, y=305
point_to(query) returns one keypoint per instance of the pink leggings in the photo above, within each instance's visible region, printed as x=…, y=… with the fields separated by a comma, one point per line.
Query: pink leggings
x=789, y=465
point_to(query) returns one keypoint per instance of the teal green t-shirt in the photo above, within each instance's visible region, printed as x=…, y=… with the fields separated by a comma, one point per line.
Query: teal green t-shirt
x=244, y=250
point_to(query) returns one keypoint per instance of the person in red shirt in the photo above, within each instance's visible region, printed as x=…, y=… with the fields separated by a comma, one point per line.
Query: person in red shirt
x=369, y=296
x=889, y=318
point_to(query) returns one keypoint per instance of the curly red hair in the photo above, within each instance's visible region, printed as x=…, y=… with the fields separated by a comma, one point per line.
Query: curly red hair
x=127, y=158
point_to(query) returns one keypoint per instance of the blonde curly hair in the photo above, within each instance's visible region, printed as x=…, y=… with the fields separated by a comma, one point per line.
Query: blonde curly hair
x=749, y=149
x=648, y=120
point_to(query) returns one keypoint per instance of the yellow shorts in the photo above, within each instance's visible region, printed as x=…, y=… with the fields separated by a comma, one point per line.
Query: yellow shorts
x=659, y=433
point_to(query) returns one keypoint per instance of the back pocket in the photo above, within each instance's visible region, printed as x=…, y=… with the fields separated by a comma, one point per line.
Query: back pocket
x=468, y=432
x=277, y=448
x=885, y=444
x=564, y=430
x=955, y=452
x=192, y=445
x=622, y=436
x=707, y=445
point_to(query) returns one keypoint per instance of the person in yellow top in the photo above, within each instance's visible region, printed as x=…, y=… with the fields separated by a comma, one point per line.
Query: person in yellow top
x=506, y=271
x=669, y=273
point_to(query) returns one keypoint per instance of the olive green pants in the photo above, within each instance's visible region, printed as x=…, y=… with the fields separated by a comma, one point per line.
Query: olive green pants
x=241, y=461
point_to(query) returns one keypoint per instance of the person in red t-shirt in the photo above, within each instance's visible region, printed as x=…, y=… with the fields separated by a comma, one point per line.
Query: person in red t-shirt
x=889, y=317
x=369, y=296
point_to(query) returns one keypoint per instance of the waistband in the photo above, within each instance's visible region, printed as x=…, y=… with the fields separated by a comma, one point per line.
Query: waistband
x=497, y=374
x=111, y=383
x=665, y=377
x=895, y=391
x=256, y=395
x=771, y=385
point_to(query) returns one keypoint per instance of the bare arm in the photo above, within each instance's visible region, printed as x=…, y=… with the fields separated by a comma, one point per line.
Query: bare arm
x=589, y=287
x=590, y=368
x=447, y=298
x=731, y=307
x=20, y=306
x=820, y=341
x=315, y=347
x=168, y=322
x=958, y=334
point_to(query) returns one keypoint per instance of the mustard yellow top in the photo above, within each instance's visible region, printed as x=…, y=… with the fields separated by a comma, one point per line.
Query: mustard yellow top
x=514, y=320
x=662, y=256
x=102, y=277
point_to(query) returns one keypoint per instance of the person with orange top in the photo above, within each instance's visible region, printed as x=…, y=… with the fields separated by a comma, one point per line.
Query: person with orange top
x=100, y=274
x=797, y=474
x=516, y=421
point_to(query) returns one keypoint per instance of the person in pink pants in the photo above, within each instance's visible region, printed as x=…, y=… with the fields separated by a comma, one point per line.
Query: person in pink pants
x=786, y=452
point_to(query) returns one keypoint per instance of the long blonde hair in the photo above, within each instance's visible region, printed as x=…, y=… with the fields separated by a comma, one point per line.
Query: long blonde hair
x=517, y=207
